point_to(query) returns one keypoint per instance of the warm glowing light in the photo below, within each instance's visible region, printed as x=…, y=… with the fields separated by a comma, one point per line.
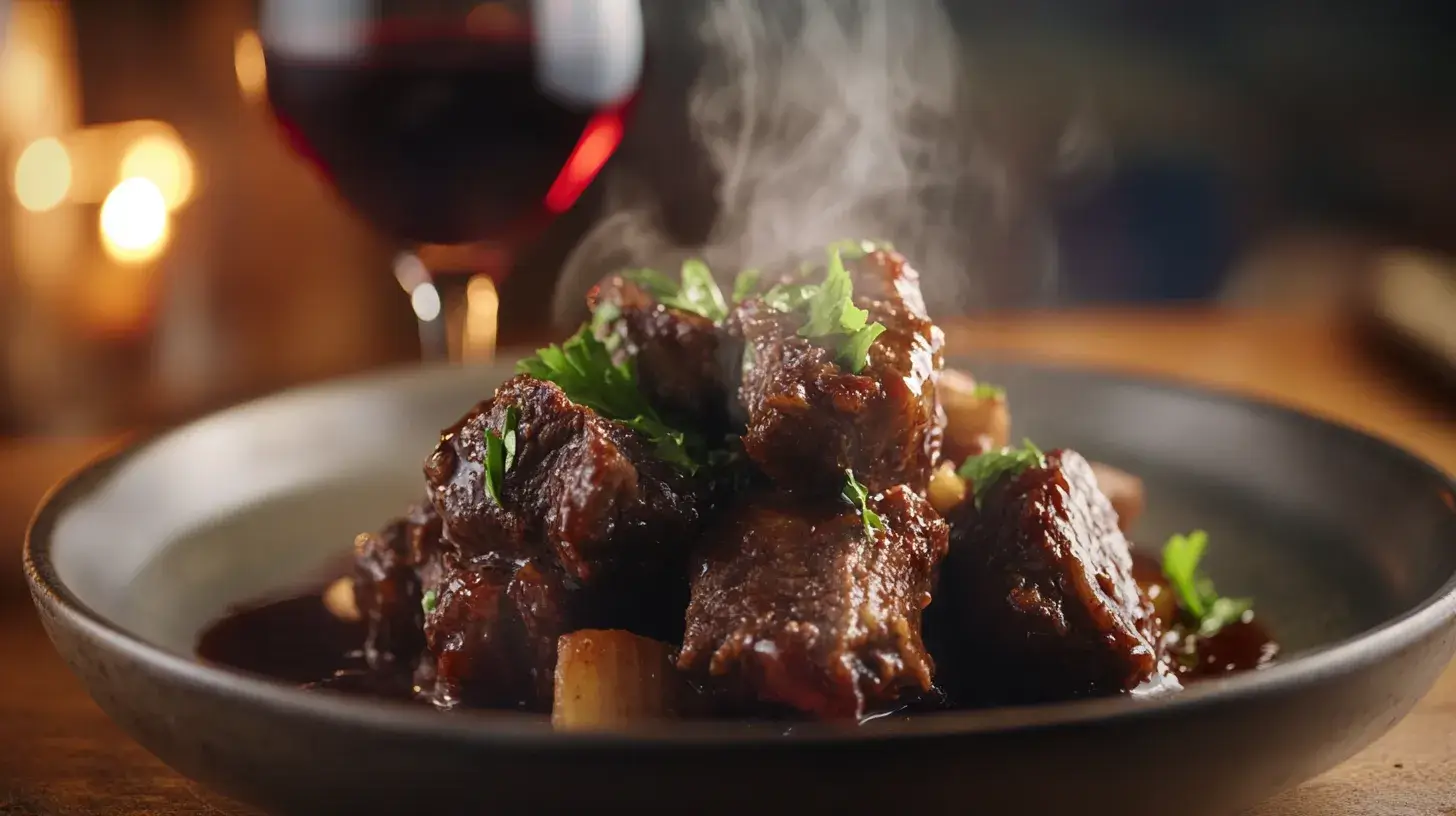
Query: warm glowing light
x=425, y=299
x=162, y=159
x=43, y=175
x=482, y=310
x=134, y=221
x=601, y=136
x=249, y=65
x=410, y=271
x=26, y=82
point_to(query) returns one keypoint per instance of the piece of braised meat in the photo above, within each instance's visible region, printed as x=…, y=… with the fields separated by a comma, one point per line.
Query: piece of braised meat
x=390, y=569
x=808, y=418
x=794, y=602
x=492, y=630
x=683, y=362
x=1043, y=583
x=584, y=493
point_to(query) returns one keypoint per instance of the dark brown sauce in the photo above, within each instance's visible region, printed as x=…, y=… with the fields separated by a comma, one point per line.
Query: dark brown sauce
x=297, y=640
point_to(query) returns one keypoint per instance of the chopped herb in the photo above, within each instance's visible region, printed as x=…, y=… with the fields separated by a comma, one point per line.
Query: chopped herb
x=851, y=248
x=831, y=308
x=786, y=297
x=988, y=468
x=583, y=368
x=745, y=284
x=1195, y=593
x=854, y=351
x=856, y=494
x=832, y=319
x=604, y=316
x=428, y=602
x=700, y=293
x=987, y=391
x=500, y=454
x=697, y=292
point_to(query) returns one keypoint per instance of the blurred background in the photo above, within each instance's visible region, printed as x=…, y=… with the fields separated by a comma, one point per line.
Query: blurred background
x=163, y=252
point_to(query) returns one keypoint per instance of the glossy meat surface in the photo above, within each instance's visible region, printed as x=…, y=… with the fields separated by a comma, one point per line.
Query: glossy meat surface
x=808, y=419
x=682, y=360
x=390, y=569
x=1043, y=582
x=584, y=493
x=793, y=602
x=493, y=632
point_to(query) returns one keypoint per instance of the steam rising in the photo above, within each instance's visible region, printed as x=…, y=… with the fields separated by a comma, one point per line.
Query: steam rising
x=824, y=119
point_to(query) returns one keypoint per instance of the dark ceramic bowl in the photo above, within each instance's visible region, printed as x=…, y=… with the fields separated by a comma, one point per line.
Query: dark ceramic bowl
x=1348, y=544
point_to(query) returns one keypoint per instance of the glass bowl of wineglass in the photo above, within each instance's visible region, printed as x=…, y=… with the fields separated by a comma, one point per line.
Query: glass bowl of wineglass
x=459, y=130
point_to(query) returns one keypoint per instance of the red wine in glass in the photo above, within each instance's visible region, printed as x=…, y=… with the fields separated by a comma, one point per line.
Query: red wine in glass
x=465, y=129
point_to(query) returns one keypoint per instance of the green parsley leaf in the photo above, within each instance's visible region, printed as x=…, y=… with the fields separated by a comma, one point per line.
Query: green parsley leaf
x=428, y=602
x=786, y=297
x=851, y=248
x=583, y=368
x=987, y=391
x=855, y=350
x=508, y=439
x=604, y=316
x=856, y=494
x=991, y=466
x=495, y=465
x=745, y=284
x=831, y=308
x=697, y=292
x=657, y=284
x=1194, y=592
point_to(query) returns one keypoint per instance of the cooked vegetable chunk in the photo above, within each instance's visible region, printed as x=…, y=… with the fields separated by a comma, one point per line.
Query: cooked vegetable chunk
x=610, y=677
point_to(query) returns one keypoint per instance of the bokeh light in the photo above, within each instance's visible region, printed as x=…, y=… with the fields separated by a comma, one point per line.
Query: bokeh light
x=43, y=175
x=162, y=159
x=249, y=64
x=134, y=221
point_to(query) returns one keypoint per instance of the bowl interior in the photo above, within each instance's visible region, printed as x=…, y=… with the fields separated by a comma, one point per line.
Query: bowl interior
x=1331, y=532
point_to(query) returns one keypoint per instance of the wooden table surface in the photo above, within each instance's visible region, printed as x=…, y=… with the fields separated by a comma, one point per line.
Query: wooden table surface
x=60, y=755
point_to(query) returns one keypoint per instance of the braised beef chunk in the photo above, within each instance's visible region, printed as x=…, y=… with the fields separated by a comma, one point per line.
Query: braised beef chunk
x=1043, y=580
x=390, y=568
x=682, y=361
x=809, y=418
x=492, y=630
x=582, y=492
x=795, y=602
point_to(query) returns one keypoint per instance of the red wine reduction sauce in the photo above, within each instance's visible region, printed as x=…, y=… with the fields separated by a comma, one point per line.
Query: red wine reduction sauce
x=297, y=640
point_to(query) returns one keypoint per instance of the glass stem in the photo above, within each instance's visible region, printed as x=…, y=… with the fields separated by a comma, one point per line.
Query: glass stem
x=453, y=293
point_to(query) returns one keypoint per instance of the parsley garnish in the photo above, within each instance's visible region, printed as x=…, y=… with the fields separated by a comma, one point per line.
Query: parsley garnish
x=745, y=284
x=428, y=602
x=583, y=368
x=697, y=292
x=856, y=494
x=987, y=391
x=830, y=312
x=1195, y=593
x=988, y=468
x=851, y=248
x=500, y=454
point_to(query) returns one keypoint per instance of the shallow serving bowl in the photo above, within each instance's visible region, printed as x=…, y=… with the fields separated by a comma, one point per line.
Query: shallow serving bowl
x=1348, y=545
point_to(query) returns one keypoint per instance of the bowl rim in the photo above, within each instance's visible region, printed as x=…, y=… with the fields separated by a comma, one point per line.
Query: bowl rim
x=533, y=731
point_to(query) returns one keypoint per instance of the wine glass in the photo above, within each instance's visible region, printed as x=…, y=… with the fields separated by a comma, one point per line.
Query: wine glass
x=459, y=129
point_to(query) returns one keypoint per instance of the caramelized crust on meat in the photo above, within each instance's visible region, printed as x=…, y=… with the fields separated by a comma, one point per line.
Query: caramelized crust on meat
x=584, y=492
x=808, y=419
x=390, y=569
x=682, y=361
x=493, y=632
x=1043, y=579
x=794, y=602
